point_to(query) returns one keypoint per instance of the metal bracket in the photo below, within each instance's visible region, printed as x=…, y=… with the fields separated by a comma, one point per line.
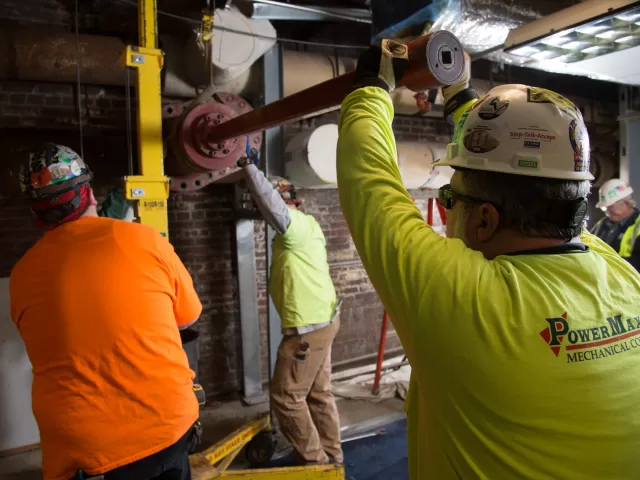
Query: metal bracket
x=244, y=205
x=136, y=56
x=151, y=194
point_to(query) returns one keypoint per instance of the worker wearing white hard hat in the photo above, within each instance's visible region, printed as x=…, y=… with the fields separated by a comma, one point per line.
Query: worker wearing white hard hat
x=521, y=328
x=621, y=226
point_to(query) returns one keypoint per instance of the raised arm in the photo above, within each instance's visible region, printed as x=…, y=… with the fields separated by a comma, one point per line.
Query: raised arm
x=403, y=256
x=271, y=205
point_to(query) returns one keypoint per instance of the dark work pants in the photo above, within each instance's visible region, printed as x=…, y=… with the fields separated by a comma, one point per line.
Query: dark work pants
x=172, y=463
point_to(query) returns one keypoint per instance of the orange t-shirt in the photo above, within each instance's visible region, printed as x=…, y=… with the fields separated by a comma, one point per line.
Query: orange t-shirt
x=98, y=303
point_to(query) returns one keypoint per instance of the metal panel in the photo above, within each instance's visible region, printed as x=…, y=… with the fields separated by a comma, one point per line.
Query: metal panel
x=629, y=137
x=274, y=10
x=274, y=165
x=249, y=319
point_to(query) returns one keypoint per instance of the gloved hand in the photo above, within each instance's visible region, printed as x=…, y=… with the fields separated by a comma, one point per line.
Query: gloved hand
x=460, y=92
x=382, y=65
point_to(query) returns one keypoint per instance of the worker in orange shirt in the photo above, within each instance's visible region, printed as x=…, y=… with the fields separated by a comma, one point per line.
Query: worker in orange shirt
x=99, y=304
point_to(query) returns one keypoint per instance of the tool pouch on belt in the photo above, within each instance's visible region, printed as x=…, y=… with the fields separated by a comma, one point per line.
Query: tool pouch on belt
x=200, y=395
x=195, y=439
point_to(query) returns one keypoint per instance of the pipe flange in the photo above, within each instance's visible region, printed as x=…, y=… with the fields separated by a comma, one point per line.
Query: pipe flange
x=192, y=136
x=196, y=181
x=194, y=161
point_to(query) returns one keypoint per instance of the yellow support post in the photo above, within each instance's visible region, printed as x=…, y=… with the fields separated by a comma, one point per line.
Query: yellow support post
x=150, y=188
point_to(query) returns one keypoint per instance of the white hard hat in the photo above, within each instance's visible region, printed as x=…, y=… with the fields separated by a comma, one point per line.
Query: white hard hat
x=611, y=192
x=523, y=131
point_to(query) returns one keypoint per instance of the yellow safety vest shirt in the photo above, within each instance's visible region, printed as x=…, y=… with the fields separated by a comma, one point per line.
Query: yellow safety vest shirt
x=628, y=239
x=524, y=366
x=300, y=285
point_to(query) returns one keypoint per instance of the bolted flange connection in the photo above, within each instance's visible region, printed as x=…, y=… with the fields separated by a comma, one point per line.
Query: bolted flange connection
x=192, y=159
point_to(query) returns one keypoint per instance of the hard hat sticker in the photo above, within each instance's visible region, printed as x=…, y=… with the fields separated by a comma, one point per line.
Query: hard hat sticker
x=493, y=108
x=580, y=143
x=459, y=128
x=479, y=140
x=533, y=135
x=522, y=163
x=542, y=95
x=59, y=172
x=477, y=104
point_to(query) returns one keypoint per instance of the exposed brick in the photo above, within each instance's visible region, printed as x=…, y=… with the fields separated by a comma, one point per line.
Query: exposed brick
x=54, y=101
x=55, y=89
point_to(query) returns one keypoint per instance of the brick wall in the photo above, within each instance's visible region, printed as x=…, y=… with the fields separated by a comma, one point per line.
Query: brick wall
x=54, y=105
x=202, y=230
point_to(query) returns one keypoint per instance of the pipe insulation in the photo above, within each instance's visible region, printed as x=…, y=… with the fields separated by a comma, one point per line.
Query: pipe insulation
x=41, y=56
x=310, y=160
x=38, y=56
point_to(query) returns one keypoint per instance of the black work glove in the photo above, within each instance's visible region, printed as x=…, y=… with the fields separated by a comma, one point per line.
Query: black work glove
x=382, y=65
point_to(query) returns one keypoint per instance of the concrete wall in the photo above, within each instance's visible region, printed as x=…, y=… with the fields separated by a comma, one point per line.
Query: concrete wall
x=17, y=425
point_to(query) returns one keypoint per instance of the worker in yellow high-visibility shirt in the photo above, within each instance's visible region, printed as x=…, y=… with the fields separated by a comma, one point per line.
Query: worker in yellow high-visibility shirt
x=305, y=298
x=522, y=329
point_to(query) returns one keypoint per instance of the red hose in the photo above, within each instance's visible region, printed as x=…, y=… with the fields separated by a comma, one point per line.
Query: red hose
x=383, y=341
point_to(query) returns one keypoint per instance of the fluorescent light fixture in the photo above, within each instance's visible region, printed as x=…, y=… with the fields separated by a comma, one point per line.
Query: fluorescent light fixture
x=585, y=31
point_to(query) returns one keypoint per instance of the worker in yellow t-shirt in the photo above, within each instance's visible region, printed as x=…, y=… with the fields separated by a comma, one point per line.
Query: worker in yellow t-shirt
x=305, y=298
x=99, y=304
x=522, y=329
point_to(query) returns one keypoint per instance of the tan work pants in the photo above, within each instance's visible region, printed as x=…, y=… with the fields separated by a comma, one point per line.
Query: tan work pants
x=301, y=395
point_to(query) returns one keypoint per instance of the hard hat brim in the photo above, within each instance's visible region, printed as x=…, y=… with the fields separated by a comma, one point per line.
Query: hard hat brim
x=461, y=162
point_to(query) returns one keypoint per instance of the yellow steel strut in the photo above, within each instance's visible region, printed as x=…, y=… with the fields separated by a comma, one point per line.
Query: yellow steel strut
x=150, y=189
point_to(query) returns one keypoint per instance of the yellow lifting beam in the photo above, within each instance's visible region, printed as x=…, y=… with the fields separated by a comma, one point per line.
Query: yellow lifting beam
x=150, y=189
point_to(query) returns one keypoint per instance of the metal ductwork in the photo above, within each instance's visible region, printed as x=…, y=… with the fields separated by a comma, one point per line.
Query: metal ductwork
x=485, y=26
x=276, y=10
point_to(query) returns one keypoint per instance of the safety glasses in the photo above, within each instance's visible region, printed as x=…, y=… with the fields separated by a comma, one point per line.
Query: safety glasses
x=447, y=197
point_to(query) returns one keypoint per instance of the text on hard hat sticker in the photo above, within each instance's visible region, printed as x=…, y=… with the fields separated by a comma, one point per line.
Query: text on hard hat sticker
x=529, y=134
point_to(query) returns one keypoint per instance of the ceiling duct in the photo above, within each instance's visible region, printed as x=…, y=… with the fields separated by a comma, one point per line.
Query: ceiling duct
x=485, y=26
x=276, y=10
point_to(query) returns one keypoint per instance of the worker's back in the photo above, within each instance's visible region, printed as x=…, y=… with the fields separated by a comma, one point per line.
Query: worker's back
x=533, y=376
x=98, y=303
x=300, y=285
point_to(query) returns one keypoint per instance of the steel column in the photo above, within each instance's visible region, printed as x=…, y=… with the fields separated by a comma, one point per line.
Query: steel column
x=150, y=188
x=274, y=165
x=249, y=319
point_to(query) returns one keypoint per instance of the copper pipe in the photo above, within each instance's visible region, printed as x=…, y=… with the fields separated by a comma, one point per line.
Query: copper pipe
x=430, y=211
x=443, y=213
x=383, y=341
x=434, y=60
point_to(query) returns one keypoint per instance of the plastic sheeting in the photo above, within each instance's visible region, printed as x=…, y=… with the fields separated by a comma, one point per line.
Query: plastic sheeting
x=394, y=383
